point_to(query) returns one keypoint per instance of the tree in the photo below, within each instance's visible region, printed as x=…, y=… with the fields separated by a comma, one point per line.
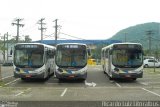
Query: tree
x=28, y=39
x=97, y=51
x=2, y=48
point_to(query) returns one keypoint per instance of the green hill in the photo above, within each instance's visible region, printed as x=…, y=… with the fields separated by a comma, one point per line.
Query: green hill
x=141, y=34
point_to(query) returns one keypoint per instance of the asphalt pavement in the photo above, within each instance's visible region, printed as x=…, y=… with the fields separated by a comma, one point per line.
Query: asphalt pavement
x=94, y=90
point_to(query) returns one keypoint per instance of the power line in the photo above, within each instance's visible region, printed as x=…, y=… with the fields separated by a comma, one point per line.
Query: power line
x=65, y=39
x=29, y=28
x=72, y=36
x=53, y=34
x=49, y=36
x=18, y=25
x=41, y=27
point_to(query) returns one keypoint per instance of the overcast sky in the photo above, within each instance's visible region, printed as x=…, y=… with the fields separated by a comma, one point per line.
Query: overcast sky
x=87, y=19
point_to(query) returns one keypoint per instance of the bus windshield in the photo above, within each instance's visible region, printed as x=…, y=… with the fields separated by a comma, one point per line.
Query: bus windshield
x=127, y=58
x=71, y=57
x=28, y=58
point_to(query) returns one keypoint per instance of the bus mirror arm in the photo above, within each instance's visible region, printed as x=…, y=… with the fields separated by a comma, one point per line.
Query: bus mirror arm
x=110, y=52
x=49, y=52
x=54, y=53
x=11, y=52
x=89, y=52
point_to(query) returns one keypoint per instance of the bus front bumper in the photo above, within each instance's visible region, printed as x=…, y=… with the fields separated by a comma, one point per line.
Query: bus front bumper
x=127, y=75
x=29, y=75
x=71, y=76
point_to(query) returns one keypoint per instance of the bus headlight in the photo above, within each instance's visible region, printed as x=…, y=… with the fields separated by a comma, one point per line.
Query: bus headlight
x=116, y=69
x=139, y=71
x=17, y=69
x=60, y=70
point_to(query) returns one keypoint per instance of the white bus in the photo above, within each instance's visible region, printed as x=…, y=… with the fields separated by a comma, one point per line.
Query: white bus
x=33, y=60
x=71, y=61
x=123, y=60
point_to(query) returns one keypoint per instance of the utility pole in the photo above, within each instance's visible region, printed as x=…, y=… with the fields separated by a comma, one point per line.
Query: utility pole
x=149, y=33
x=7, y=46
x=41, y=27
x=56, y=28
x=18, y=25
x=4, y=53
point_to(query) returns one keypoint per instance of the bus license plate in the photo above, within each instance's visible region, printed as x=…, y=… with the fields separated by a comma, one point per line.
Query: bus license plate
x=72, y=76
x=128, y=76
x=28, y=76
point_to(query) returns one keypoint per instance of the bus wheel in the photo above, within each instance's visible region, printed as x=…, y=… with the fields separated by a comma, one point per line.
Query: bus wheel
x=82, y=79
x=104, y=69
x=134, y=79
x=48, y=74
x=23, y=79
x=61, y=79
x=110, y=78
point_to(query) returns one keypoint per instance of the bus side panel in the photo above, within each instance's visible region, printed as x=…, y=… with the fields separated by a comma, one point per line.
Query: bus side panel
x=110, y=65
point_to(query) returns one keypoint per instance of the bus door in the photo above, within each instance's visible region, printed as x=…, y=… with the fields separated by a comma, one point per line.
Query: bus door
x=109, y=61
x=103, y=60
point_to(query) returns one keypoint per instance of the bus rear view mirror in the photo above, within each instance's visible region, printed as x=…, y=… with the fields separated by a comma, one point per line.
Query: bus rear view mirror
x=54, y=53
x=89, y=52
x=49, y=52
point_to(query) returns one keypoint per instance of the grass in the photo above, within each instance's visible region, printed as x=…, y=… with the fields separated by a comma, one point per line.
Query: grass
x=152, y=70
x=1, y=83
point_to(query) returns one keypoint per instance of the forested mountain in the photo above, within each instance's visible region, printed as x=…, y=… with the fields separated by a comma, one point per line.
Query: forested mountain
x=142, y=33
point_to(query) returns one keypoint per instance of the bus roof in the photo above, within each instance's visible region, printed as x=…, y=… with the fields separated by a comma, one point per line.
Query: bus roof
x=35, y=44
x=71, y=44
x=111, y=45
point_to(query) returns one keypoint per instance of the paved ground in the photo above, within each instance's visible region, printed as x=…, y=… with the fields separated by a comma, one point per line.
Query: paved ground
x=97, y=87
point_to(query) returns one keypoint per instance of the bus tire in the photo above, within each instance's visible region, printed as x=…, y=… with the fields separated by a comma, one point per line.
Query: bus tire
x=61, y=79
x=23, y=79
x=104, y=69
x=110, y=78
x=48, y=74
x=83, y=79
x=134, y=79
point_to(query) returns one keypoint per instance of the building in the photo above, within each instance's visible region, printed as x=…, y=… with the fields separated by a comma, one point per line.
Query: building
x=91, y=43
